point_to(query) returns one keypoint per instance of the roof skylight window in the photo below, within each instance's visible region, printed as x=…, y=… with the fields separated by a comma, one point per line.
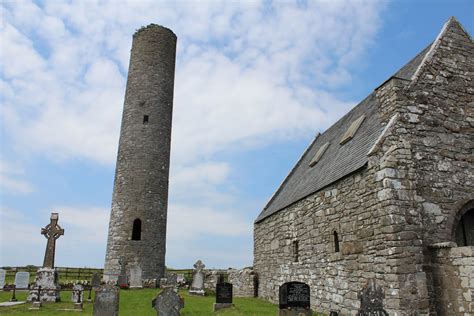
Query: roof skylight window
x=319, y=154
x=349, y=134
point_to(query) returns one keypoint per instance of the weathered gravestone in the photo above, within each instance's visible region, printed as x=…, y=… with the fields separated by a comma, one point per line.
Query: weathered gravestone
x=294, y=299
x=197, y=286
x=223, y=296
x=106, y=302
x=2, y=278
x=168, y=302
x=77, y=296
x=122, y=280
x=46, y=277
x=77, y=293
x=95, y=282
x=22, y=280
x=136, y=276
x=371, y=300
x=171, y=279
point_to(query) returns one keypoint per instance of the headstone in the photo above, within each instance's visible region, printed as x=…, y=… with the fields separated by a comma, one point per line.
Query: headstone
x=2, y=278
x=122, y=281
x=22, y=280
x=46, y=277
x=223, y=296
x=136, y=276
x=95, y=283
x=294, y=299
x=168, y=302
x=106, y=302
x=371, y=300
x=181, y=279
x=197, y=286
x=77, y=293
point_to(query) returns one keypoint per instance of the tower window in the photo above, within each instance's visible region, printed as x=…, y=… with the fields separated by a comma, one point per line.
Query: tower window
x=137, y=229
x=336, y=241
x=295, y=251
x=145, y=119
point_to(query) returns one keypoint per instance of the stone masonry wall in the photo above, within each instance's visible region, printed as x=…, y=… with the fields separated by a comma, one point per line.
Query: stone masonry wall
x=453, y=280
x=243, y=282
x=142, y=171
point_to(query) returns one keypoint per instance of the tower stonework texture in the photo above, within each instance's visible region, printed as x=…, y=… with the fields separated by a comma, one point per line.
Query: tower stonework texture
x=137, y=227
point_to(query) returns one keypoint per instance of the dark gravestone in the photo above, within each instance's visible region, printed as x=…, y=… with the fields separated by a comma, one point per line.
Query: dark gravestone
x=122, y=281
x=224, y=293
x=106, y=302
x=95, y=283
x=223, y=296
x=371, y=300
x=294, y=295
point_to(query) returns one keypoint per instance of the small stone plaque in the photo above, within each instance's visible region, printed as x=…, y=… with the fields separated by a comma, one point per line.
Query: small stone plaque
x=106, y=302
x=294, y=295
x=22, y=279
x=224, y=292
x=2, y=278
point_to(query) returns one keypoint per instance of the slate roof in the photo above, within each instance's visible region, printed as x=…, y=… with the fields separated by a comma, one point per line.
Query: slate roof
x=339, y=160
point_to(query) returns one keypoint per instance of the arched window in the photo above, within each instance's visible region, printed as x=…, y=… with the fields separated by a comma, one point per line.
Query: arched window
x=336, y=242
x=295, y=251
x=137, y=229
x=465, y=229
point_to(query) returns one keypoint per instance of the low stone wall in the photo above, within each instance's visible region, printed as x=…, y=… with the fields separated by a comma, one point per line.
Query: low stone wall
x=243, y=282
x=211, y=277
x=452, y=272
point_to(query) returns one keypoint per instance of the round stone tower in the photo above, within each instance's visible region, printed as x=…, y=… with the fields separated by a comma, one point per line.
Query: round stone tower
x=137, y=227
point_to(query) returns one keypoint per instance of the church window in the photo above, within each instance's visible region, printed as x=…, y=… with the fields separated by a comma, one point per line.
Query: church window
x=137, y=229
x=349, y=134
x=295, y=251
x=465, y=230
x=319, y=154
x=336, y=241
x=145, y=119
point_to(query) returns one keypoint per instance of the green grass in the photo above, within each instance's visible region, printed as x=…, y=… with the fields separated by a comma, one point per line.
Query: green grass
x=138, y=302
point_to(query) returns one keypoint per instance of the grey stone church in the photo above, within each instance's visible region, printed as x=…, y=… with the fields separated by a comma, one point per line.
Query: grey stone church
x=385, y=194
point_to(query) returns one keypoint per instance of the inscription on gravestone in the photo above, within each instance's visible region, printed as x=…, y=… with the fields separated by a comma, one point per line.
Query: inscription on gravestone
x=106, y=302
x=224, y=293
x=294, y=295
x=22, y=279
x=371, y=300
x=2, y=278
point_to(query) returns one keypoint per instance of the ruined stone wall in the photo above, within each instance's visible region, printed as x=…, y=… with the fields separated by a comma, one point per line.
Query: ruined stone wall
x=142, y=170
x=243, y=282
x=453, y=280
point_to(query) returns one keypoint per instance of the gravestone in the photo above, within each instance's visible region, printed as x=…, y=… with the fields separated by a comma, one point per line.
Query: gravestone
x=95, y=282
x=371, y=300
x=122, y=280
x=46, y=277
x=136, y=276
x=2, y=278
x=223, y=296
x=294, y=299
x=168, y=302
x=106, y=302
x=77, y=293
x=197, y=286
x=22, y=280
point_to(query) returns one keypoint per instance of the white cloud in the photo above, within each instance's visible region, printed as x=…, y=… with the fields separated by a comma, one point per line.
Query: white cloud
x=9, y=179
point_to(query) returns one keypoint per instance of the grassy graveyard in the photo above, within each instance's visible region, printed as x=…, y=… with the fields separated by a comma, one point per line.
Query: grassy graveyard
x=138, y=302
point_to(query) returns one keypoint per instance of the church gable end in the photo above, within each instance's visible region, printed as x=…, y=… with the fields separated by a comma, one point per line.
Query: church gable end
x=388, y=204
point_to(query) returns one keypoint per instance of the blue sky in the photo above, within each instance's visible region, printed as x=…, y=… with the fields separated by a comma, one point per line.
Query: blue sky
x=255, y=81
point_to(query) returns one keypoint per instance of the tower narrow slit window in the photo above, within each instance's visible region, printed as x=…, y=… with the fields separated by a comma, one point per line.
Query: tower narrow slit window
x=145, y=119
x=137, y=229
x=336, y=242
x=295, y=251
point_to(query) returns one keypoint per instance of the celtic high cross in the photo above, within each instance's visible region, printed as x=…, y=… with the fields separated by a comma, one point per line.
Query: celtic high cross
x=52, y=231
